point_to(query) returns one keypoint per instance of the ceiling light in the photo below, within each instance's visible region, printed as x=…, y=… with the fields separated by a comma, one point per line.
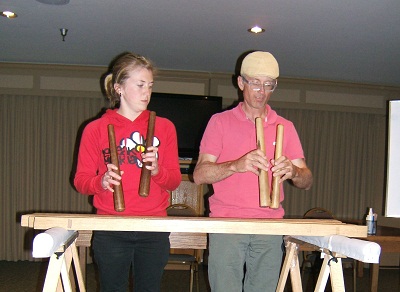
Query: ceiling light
x=63, y=33
x=256, y=29
x=8, y=14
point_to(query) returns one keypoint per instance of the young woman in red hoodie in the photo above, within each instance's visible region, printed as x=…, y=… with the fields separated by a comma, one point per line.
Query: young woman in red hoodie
x=129, y=88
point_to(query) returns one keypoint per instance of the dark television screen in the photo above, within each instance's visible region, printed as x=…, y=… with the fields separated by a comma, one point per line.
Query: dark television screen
x=190, y=114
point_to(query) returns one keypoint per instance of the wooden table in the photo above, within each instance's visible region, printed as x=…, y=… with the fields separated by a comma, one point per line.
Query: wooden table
x=305, y=227
x=181, y=227
x=389, y=240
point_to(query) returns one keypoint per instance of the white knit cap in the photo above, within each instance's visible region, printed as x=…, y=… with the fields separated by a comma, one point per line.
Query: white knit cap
x=260, y=64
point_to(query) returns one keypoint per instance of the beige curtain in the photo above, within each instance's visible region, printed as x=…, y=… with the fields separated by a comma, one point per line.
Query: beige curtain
x=40, y=136
x=346, y=153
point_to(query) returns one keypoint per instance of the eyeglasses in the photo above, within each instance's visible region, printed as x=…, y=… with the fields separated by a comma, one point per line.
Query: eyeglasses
x=269, y=86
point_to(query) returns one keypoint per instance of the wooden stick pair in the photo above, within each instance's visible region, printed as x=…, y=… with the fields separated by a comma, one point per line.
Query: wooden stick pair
x=145, y=176
x=267, y=200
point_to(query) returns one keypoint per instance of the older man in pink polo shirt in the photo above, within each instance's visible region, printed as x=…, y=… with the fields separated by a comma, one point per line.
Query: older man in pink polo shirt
x=231, y=162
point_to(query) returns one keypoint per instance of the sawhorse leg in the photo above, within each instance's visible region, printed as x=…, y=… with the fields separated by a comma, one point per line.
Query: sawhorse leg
x=332, y=266
x=335, y=270
x=60, y=264
x=291, y=264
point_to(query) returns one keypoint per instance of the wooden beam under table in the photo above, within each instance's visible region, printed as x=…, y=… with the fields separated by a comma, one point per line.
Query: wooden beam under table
x=304, y=227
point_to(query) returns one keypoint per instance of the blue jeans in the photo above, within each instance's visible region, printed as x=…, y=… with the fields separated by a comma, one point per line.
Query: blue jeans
x=244, y=262
x=115, y=252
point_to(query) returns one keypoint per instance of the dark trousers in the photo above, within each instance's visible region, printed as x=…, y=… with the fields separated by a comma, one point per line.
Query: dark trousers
x=115, y=252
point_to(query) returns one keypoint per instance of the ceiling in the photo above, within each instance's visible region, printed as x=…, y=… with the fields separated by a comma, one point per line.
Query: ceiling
x=343, y=40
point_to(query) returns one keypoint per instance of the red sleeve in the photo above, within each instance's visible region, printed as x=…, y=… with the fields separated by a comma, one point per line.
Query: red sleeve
x=88, y=175
x=169, y=176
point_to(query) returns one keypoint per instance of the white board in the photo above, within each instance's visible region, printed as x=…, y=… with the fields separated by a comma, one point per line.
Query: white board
x=393, y=162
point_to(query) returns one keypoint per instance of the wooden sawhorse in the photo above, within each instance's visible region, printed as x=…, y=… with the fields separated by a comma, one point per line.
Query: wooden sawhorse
x=60, y=264
x=332, y=266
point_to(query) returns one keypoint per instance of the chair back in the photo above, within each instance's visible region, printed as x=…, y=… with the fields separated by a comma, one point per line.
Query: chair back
x=318, y=213
x=181, y=210
x=190, y=194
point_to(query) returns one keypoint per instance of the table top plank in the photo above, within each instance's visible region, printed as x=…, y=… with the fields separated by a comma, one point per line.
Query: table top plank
x=304, y=227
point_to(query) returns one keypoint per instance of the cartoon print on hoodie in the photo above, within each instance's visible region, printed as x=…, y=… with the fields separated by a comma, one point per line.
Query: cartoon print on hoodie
x=130, y=150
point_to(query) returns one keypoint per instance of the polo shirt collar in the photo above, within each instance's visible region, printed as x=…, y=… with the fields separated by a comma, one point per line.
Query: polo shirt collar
x=241, y=115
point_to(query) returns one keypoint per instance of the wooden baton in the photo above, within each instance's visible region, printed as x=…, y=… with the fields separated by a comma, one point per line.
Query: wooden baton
x=276, y=194
x=145, y=175
x=263, y=182
x=119, y=202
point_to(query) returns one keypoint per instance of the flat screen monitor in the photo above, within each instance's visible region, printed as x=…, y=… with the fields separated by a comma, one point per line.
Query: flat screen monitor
x=190, y=115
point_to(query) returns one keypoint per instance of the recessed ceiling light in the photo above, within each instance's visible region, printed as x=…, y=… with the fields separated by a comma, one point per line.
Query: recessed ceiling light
x=256, y=29
x=8, y=14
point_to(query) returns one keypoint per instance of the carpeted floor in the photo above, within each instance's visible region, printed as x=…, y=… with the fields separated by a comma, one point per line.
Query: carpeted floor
x=29, y=276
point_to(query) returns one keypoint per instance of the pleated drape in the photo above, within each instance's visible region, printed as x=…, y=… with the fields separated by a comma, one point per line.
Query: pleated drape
x=39, y=140
x=345, y=152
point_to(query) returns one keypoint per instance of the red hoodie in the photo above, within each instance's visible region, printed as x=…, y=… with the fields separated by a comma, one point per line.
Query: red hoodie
x=94, y=155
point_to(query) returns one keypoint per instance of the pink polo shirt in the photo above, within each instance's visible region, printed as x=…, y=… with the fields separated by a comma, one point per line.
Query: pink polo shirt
x=228, y=136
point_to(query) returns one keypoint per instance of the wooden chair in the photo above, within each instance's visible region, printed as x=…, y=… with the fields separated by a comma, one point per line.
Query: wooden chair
x=318, y=213
x=180, y=259
x=190, y=194
x=186, y=200
x=312, y=258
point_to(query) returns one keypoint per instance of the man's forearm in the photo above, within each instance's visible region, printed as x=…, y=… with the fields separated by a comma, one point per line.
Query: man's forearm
x=303, y=178
x=210, y=172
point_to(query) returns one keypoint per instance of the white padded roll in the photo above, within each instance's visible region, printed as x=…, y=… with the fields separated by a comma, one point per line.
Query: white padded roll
x=46, y=243
x=362, y=250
